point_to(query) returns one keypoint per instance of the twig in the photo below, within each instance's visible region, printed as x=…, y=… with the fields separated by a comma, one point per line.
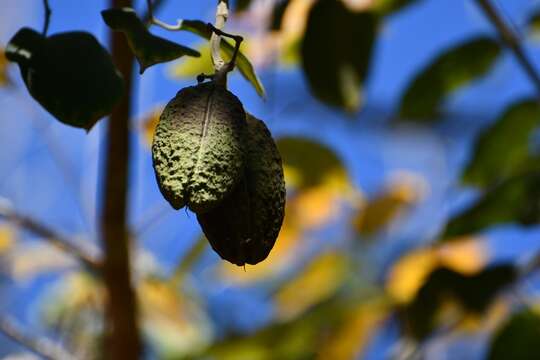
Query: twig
x=122, y=340
x=47, y=20
x=153, y=20
x=512, y=41
x=39, y=346
x=147, y=18
x=51, y=236
x=222, y=13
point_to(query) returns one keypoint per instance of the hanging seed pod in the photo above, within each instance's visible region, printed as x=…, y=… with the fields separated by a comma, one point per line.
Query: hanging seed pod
x=245, y=226
x=70, y=74
x=197, y=150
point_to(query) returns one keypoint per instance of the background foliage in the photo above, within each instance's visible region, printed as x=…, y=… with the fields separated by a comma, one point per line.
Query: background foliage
x=409, y=138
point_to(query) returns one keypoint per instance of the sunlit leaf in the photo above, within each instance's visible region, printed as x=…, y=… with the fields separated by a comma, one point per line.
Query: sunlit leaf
x=446, y=295
x=517, y=338
x=4, y=79
x=174, y=321
x=452, y=69
x=348, y=341
x=192, y=67
x=466, y=256
x=533, y=25
x=28, y=260
x=386, y=7
x=242, y=62
x=7, y=238
x=381, y=211
x=318, y=281
x=336, y=53
x=512, y=201
x=491, y=161
x=70, y=74
x=149, y=49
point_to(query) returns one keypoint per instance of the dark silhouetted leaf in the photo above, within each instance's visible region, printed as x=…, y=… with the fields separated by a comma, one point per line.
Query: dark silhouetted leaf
x=518, y=338
x=148, y=49
x=277, y=14
x=70, y=74
x=513, y=201
x=386, y=7
x=474, y=293
x=503, y=149
x=451, y=70
x=336, y=52
x=242, y=62
x=242, y=5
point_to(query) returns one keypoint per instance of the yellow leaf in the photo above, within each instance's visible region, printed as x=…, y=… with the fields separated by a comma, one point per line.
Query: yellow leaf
x=190, y=67
x=349, y=340
x=468, y=255
x=318, y=281
x=7, y=238
x=149, y=124
x=29, y=260
x=402, y=192
x=4, y=79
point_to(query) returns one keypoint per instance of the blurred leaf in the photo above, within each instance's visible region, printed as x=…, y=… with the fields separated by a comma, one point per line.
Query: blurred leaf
x=318, y=281
x=533, y=24
x=518, y=338
x=7, y=238
x=348, y=341
x=452, y=69
x=241, y=5
x=149, y=124
x=242, y=62
x=444, y=287
x=29, y=260
x=466, y=256
x=491, y=161
x=336, y=52
x=514, y=200
x=309, y=163
x=174, y=321
x=277, y=14
x=148, y=49
x=381, y=211
x=4, y=79
x=386, y=7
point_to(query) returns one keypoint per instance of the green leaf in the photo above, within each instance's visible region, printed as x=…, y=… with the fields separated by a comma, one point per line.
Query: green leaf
x=336, y=53
x=473, y=292
x=191, y=67
x=387, y=7
x=201, y=29
x=518, y=338
x=533, y=24
x=70, y=74
x=503, y=149
x=515, y=200
x=451, y=70
x=148, y=49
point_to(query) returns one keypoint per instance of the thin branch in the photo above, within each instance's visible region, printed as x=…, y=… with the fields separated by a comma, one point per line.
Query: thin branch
x=153, y=20
x=512, y=41
x=222, y=13
x=52, y=237
x=155, y=5
x=122, y=339
x=40, y=346
x=47, y=20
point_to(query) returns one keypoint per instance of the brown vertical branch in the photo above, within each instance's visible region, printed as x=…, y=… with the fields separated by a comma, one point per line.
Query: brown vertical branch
x=122, y=337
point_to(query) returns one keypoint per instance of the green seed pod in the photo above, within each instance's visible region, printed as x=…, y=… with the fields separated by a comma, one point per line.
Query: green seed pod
x=197, y=150
x=245, y=226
